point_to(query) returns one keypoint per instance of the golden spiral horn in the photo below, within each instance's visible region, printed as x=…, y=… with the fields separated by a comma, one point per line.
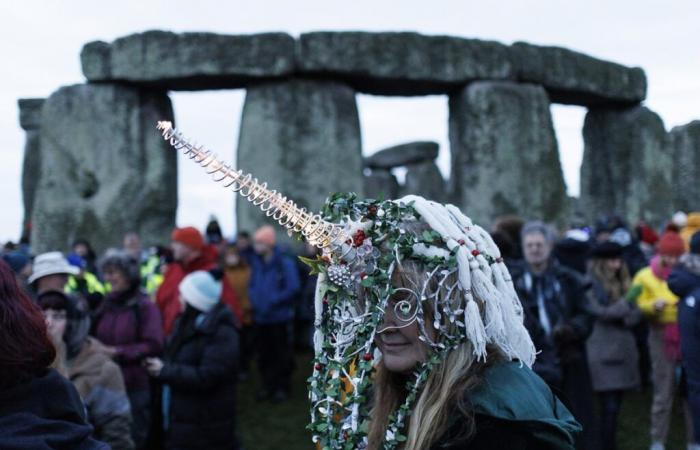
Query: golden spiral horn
x=288, y=214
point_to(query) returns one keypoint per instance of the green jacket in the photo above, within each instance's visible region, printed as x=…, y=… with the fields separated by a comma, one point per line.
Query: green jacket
x=516, y=397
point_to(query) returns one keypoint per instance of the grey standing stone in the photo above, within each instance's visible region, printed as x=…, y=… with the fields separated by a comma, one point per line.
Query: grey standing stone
x=302, y=137
x=190, y=61
x=402, y=63
x=404, y=154
x=105, y=168
x=30, y=121
x=380, y=183
x=504, y=153
x=425, y=179
x=684, y=142
x=575, y=78
x=625, y=168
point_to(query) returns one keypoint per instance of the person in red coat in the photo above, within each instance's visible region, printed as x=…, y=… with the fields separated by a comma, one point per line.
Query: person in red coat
x=190, y=254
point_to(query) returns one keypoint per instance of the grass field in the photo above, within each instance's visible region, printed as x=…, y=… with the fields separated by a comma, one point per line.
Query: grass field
x=267, y=426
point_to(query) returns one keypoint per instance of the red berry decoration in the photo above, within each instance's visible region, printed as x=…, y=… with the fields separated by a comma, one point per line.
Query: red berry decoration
x=461, y=242
x=372, y=210
x=367, y=357
x=359, y=238
x=318, y=366
x=475, y=252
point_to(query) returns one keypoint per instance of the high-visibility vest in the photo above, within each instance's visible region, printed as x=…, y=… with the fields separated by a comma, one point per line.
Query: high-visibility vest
x=92, y=284
x=151, y=278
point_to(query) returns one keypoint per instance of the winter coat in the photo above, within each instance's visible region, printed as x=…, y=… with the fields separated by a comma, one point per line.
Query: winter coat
x=130, y=322
x=44, y=413
x=612, y=348
x=567, y=309
x=649, y=288
x=562, y=361
x=100, y=384
x=684, y=281
x=238, y=279
x=168, y=294
x=273, y=286
x=200, y=368
x=514, y=410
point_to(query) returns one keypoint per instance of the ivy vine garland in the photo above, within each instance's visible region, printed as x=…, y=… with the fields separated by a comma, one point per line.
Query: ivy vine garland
x=354, y=290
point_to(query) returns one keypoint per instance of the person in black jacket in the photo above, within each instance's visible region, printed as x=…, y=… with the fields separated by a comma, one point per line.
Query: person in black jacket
x=559, y=321
x=199, y=370
x=684, y=281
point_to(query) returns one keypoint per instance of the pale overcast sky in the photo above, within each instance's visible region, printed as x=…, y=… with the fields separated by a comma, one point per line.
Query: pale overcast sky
x=40, y=44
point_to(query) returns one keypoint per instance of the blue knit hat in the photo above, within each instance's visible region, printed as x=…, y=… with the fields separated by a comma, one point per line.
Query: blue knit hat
x=200, y=290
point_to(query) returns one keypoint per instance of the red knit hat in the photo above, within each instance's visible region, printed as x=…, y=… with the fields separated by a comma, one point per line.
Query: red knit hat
x=189, y=236
x=671, y=244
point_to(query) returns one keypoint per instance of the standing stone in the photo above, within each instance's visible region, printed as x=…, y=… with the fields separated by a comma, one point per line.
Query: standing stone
x=105, y=168
x=425, y=179
x=625, y=168
x=30, y=121
x=504, y=153
x=684, y=143
x=381, y=184
x=302, y=137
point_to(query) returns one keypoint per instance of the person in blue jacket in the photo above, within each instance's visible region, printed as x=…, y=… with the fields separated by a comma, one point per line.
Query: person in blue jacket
x=684, y=281
x=274, y=283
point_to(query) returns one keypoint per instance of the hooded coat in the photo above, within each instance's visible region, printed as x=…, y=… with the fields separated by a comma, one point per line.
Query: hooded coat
x=684, y=281
x=44, y=413
x=515, y=410
x=200, y=365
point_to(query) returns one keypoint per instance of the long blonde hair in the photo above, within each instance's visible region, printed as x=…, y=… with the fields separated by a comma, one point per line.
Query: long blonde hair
x=443, y=394
x=615, y=284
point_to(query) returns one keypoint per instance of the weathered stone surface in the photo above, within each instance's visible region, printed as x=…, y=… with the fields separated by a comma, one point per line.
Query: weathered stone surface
x=625, y=168
x=574, y=78
x=402, y=63
x=684, y=145
x=96, y=61
x=303, y=138
x=30, y=121
x=426, y=180
x=404, y=154
x=504, y=153
x=105, y=168
x=30, y=113
x=190, y=61
x=381, y=184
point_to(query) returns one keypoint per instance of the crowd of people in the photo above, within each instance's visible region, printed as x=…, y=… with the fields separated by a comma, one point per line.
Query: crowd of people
x=153, y=341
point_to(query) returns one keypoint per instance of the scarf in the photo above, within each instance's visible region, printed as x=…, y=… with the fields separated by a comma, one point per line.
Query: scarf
x=659, y=270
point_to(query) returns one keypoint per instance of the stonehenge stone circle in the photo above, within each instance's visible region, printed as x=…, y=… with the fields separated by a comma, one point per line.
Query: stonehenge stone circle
x=95, y=167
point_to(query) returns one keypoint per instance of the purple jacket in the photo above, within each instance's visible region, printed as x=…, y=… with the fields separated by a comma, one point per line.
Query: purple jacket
x=130, y=322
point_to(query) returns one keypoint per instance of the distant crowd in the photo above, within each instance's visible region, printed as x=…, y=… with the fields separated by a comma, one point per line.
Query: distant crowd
x=155, y=339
